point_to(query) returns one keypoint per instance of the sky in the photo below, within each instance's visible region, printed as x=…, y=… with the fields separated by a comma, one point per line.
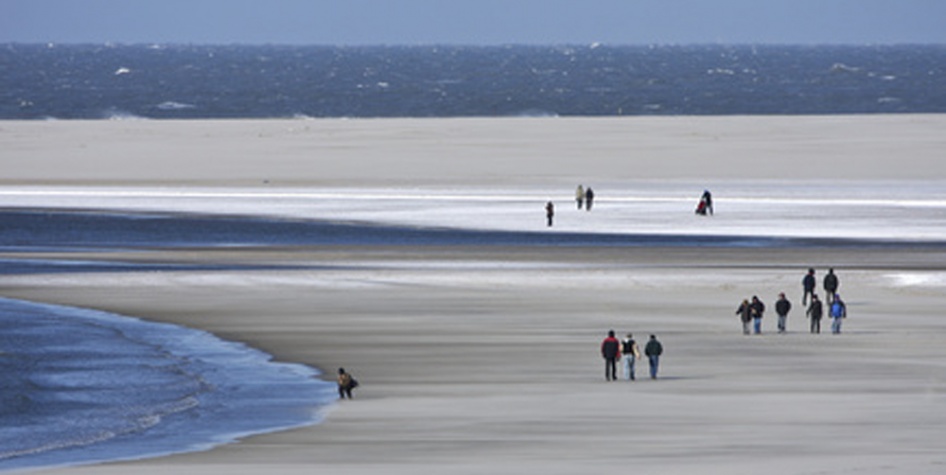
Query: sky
x=473, y=22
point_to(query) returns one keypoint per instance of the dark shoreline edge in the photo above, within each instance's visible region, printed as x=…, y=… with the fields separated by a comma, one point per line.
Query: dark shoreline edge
x=58, y=230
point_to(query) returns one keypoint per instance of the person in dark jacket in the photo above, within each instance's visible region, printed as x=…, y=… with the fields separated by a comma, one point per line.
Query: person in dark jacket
x=782, y=307
x=745, y=316
x=830, y=286
x=808, y=285
x=611, y=351
x=345, y=384
x=549, y=212
x=653, y=350
x=589, y=198
x=815, y=311
x=756, y=309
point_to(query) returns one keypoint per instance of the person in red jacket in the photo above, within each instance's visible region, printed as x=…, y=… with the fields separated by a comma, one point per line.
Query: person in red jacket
x=611, y=352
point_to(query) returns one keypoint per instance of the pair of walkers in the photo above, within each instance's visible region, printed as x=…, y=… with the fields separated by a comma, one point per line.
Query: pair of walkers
x=628, y=353
x=830, y=283
x=750, y=313
x=837, y=310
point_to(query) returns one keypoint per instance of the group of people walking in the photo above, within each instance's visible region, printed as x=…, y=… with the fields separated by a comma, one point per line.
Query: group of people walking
x=585, y=197
x=751, y=312
x=627, y=352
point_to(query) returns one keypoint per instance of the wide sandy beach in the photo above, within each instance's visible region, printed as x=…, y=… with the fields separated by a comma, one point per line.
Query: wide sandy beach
x=484, y=358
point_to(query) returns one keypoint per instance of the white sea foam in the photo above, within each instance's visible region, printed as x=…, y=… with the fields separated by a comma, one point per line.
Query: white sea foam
x=913, y=211
x=918, y=279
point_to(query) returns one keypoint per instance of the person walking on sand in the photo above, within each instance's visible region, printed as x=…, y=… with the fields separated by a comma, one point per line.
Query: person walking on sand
x=838, y=312
x=549, y=212
x=745, y=315
x=707, y=200
x=756, y=309
x=631, y=353
x=610, y=351
x=346, y=382
x=782, y=307
x=830, y=286
x=580, y=196
x=808, y=285
x=705, y=205
x=589, y=198
x=653, y=350
x=815, y=311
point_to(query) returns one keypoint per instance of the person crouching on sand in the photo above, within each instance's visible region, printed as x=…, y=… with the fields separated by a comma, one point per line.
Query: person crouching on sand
x=345, y=384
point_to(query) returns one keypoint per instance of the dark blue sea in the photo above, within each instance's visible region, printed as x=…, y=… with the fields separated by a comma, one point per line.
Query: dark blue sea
x=191, y=82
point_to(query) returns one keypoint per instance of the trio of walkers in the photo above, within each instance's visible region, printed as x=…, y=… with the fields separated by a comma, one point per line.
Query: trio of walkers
x=627, y=352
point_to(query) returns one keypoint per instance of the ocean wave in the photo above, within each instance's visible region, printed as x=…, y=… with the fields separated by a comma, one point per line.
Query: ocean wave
x=90, y=386
x=78, y=82
x=174, y=106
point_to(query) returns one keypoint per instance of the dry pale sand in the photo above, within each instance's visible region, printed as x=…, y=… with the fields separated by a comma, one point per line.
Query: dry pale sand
x=485, y=359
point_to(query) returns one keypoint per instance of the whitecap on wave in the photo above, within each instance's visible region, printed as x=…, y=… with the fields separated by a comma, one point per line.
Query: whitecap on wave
x=174, y=106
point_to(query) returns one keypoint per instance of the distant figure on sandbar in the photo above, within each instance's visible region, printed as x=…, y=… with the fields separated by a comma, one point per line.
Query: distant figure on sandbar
x=580, y=196
x=808, y=286
x=653, y=350
x=611, y=351
x=782, y=307
x=549, y=212
x=589, y=198
x=815, y=312
x=706, y=204
x=346, y=382
x=830, y=285
x=745, y=315
x=756, y=308
x=838, y=312
x=631, y=352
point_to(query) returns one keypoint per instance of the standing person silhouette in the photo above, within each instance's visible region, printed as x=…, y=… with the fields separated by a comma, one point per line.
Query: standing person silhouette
x=631, y=354
x=756, y=309
x=549, y=212
x=815, y=312
x=830, y=286
x=653, y=350
x=782, y=307
x=745, y=315
x=611, y=351
x=808, y=286
x=580, y=196
x=589, y=198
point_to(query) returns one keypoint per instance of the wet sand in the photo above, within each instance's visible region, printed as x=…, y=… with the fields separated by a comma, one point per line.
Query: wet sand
x=484, y=359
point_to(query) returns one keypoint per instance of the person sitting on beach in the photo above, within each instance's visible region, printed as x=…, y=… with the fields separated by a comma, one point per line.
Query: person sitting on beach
x=345, y=384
